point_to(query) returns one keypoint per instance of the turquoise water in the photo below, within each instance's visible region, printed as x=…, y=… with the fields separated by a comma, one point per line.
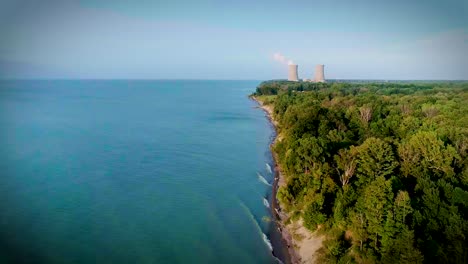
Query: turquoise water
x=133, y=172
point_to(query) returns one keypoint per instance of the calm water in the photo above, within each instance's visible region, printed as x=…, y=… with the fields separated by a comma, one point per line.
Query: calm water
x=133, y=172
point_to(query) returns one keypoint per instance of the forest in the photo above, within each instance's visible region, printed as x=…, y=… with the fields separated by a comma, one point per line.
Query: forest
x=380, y=168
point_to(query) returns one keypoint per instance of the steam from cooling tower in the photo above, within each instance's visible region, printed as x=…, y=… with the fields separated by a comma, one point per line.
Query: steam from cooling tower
x=292, y=68
x=283, y=59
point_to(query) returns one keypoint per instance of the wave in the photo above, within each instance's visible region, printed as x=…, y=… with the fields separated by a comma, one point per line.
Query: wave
x=266, y=203
x=279, y=260
x=267, y=242
x=262, y=179
x=268, y=167
x=252, y=217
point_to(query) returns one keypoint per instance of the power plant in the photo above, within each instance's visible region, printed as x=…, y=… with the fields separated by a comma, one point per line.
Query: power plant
x=292, y=75
x=319, y=75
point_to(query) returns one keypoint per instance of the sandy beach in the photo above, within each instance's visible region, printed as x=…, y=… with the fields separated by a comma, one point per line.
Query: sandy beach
x=302, y=244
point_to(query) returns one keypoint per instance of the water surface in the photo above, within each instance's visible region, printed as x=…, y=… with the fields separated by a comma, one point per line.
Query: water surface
x=133, y=172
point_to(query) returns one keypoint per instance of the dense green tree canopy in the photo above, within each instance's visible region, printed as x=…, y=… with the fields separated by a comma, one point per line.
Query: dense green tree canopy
x=384, y=163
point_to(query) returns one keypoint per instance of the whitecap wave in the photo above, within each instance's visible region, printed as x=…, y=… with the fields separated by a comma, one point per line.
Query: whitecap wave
x=268, y=167
x=279, y=260
x=264, y=236
x=267, y=241
x=262, y=179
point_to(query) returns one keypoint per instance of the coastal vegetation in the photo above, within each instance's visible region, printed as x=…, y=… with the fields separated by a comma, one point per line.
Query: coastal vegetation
x=380, y=168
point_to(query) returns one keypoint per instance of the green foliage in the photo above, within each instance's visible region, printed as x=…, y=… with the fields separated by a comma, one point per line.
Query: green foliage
x=313, y=216
x=375, y=158
x=425, y=154
x=334, y=248
x=384, y=163
x=402, y=250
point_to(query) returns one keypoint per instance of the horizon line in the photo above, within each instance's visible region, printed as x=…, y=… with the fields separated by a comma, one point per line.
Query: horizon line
x=200, y=79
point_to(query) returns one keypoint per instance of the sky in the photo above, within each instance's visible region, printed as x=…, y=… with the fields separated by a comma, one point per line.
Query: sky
x=208, y=39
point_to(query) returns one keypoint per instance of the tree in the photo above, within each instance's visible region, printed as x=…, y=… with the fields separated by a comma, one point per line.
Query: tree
x=402, y=250
x=365, y=114
x=402, y=208
x=358, y=227
x=375, y=201
x=375, y=158
x=310, y=151
x=425, y=154
x=346, y=162
x=398, y=240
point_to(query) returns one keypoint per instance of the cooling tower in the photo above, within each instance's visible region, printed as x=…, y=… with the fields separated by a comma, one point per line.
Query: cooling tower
x=319, y=73
x=292, y=75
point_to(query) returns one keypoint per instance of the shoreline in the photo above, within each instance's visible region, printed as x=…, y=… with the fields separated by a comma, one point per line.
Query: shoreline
x=302, y=248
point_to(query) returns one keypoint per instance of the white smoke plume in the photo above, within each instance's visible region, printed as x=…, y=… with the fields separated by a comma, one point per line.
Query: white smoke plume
x=281, y=58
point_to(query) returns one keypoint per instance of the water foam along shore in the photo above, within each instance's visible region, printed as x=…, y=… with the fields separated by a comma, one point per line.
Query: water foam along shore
x=251, y=216
x=301, y=243
x=262, y=179
x=268, y=167
x=257, y=225
x=266, y=203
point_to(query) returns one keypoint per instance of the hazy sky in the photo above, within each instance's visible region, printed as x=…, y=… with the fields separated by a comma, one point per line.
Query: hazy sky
x=371, y=39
